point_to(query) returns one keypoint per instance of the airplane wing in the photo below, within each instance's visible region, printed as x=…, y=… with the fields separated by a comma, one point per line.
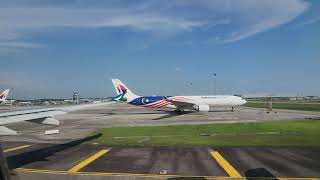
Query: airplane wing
x=42, y=116
x=181, y=102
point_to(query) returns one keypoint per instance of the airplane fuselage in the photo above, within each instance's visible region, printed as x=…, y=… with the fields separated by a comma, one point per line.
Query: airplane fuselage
x=198, y=103
x=164, y=101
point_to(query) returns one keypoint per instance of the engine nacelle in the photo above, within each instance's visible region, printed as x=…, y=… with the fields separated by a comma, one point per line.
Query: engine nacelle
x=201, y=108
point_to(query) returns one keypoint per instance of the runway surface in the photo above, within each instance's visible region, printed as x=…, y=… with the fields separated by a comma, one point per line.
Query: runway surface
x=32, y=155
x=145, y=162
x=78, y=124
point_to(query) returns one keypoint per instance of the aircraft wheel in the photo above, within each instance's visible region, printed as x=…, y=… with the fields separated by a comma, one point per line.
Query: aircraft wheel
x=232, y=109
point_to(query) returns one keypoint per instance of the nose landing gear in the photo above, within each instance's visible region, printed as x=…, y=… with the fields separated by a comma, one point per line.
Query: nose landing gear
x=232, y=109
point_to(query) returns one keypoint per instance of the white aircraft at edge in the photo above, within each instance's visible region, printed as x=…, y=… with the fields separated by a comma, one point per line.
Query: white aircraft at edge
x=179, y=103
x=4, y=95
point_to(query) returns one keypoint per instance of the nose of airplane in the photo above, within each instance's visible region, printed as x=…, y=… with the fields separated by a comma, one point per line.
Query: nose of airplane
x=243, y=101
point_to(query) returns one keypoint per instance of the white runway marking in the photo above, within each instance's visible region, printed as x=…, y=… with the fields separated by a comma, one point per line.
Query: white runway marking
x=218, y=118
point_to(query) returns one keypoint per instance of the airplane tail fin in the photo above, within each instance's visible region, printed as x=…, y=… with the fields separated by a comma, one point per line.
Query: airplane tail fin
x=123, y=92
x=3, y=95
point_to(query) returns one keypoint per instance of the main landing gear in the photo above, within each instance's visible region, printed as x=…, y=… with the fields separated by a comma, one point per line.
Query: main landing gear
x=179, y=111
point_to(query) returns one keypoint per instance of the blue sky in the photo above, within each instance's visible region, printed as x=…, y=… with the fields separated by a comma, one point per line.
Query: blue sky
x=52, y=48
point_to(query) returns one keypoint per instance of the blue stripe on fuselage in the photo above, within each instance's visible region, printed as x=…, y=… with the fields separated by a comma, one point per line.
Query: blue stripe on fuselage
x=143, y=100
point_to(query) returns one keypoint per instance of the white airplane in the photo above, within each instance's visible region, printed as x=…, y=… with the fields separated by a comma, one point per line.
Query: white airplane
x=179, y=103
x=4, y=95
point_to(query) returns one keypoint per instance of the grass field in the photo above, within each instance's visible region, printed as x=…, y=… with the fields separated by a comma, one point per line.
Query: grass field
x=286, y=105
x=289, y=133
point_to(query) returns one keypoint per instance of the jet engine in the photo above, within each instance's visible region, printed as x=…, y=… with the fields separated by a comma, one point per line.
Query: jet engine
x=201, y=108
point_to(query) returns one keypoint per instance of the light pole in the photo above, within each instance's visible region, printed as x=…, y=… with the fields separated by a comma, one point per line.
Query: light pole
x=214, y=77
x=187, y=85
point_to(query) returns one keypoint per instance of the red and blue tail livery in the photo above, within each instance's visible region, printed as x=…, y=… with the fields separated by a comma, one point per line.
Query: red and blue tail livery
x=121, y=91
x=4, y=95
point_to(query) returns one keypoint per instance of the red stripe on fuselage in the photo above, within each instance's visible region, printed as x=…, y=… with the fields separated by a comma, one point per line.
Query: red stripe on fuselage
x=153, y=104
x=162, y=105
x=159, y=105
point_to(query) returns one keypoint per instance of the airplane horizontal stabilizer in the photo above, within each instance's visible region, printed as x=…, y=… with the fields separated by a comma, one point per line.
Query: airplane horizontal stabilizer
x=46, y=120
x=6, y=131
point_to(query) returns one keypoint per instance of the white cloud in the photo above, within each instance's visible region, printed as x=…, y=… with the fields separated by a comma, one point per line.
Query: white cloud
x=11, y=44
x=178, y=69
x=216, y=23
x=266, y=15
x=311, y=21
x=16, y=22
x=247, y=17
x=251, y=30
x=46, y=17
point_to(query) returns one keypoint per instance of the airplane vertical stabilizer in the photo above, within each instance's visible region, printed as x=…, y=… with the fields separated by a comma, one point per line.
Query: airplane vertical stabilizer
x=123, y=92
x=4, y=95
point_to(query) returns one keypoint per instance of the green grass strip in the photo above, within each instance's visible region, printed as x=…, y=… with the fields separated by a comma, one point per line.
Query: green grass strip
x=284, y=133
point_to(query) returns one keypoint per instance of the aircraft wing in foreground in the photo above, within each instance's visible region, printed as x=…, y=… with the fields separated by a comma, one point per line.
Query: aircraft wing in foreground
x=41, y=115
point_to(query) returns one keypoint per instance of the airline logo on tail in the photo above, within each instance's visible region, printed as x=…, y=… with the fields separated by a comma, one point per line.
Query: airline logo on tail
x=121, y=92
x=3, y=95
x=122, y=89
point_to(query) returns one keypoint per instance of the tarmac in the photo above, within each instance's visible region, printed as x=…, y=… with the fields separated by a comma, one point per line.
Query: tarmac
x=33, y=155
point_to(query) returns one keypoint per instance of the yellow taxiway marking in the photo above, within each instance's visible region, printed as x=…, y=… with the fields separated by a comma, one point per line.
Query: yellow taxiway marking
x=44, y=171
x=88, y=161
x=225, y=165
x=115, y=174
x=16, y=148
